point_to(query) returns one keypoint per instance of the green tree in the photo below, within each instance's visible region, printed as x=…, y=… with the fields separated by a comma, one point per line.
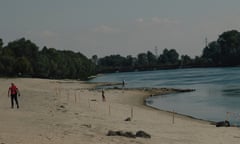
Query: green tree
x=23, y=48
x=22, y=66
x=95, y=59
x=7, y=63
x=212, y=53
x=173, y=56
x=152, y=60
x=42, y=69
x=230, y=47
x=142, y=59
x=168, y=57
x=23, y=56
x=199, y=61
x=112, y=61
x=186, y=60
x=130, y=61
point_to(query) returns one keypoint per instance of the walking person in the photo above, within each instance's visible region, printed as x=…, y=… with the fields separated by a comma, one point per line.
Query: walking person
x=103, y=96
x=13, y=92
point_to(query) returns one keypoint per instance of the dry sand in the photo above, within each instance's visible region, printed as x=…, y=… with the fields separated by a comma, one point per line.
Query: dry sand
x=72, y=112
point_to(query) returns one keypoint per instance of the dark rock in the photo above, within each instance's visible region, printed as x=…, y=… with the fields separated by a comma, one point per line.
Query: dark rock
x=128, y=119
x=111, y=133
x=120, y=133
x=129, y=134
x=223, y=124
x=143, y=134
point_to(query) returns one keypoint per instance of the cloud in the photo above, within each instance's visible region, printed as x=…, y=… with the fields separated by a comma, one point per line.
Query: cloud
x=158, y=20
x=106, y=29
x=140, y=20
x=48, y=34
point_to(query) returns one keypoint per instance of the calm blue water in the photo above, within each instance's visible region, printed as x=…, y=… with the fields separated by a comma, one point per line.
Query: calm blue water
x=217, y=90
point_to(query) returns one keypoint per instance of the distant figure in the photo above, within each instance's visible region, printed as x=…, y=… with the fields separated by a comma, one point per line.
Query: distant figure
x=14, y=92
x=123, y=84
x=103, y=96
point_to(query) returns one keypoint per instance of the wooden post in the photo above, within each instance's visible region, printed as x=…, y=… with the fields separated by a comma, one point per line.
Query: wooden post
x=79, y=97
x=68, y=93
x=75, y=95
x=59, y=92
x=109, y=109
x=88, y=103
x=56, y=91
x=131, y=113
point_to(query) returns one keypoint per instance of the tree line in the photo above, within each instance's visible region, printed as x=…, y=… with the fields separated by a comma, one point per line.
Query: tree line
x=24, y=58
x=225, y=51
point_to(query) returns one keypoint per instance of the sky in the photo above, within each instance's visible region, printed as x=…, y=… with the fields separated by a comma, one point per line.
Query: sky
x=125, y=27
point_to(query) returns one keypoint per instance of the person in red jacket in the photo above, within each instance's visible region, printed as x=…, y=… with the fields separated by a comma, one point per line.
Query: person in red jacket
x=14, y=92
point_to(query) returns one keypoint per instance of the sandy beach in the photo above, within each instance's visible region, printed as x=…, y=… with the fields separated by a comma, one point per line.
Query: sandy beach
x=72, y=112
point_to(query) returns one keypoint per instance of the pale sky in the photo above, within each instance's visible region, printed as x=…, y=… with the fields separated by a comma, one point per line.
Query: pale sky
x=125, y=27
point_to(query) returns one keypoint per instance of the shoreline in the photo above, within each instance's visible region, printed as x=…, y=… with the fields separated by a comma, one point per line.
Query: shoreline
x=151, y=92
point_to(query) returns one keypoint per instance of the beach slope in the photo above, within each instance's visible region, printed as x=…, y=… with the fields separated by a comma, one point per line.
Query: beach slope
x=72, y=112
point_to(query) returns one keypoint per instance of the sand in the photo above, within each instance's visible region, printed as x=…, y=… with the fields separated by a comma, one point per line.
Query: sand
x=72, y=112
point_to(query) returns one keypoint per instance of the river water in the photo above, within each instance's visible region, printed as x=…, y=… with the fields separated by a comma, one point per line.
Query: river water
x=217, y=95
